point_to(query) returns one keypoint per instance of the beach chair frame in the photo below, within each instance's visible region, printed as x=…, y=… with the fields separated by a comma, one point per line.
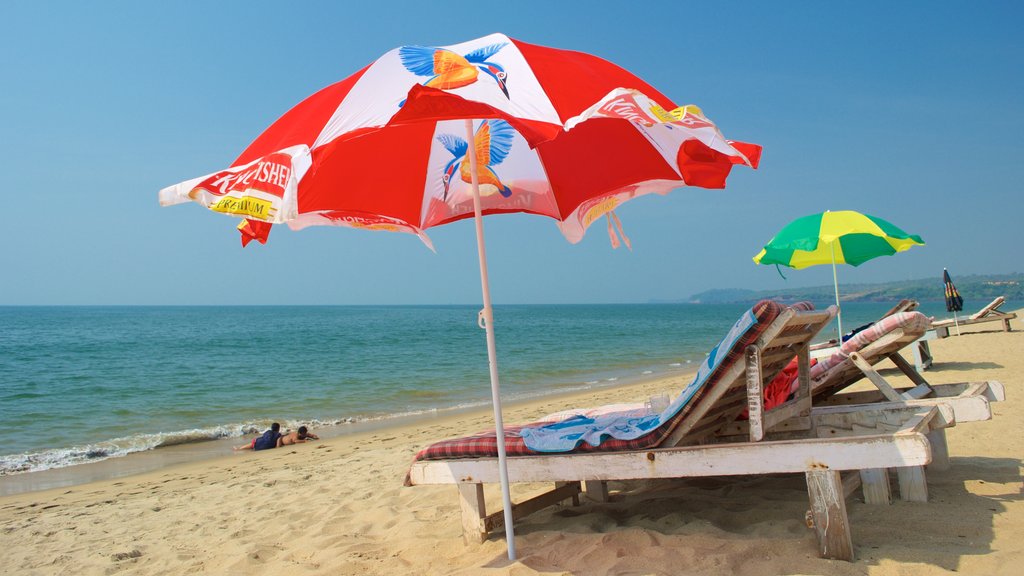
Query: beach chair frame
x=818, y=442
x=969, y=400
x=859, y=440
x=990, y=313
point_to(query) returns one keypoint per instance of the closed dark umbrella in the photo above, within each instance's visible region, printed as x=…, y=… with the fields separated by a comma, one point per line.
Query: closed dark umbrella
x=954, y=302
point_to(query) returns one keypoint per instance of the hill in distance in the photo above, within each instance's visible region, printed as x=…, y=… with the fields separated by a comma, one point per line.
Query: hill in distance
x=974, y=287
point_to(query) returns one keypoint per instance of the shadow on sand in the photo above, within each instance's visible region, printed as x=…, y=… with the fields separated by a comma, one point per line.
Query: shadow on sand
x=721, y=525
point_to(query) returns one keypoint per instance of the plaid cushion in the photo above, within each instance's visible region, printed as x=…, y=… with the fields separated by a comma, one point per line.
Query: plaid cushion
x=485, y=444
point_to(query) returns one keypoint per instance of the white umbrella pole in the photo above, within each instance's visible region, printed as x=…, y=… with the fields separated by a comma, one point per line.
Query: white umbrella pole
x=835, y=281
x=486, y=321
x=956, y=322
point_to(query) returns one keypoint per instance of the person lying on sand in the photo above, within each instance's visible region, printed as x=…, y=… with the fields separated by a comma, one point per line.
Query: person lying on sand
x=270, y=439
x=297, y=437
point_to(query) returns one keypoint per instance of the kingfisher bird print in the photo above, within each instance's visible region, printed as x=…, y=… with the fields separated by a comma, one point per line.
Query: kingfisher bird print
x=448, y=70
x=493, y=143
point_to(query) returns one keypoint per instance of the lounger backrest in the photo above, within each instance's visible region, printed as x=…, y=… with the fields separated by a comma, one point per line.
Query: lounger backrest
x=874, y=344
x=905, y=305
x=992, y=306
x=724, y=399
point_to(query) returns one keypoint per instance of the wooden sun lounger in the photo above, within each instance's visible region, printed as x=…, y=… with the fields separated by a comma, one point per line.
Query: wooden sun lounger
x=922, y=352
x=968, y=400
x=820, y=443
x=990, y=313
x=862, y=440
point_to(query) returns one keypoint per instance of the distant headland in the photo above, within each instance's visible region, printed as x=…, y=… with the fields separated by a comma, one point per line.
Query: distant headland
x=973, y=287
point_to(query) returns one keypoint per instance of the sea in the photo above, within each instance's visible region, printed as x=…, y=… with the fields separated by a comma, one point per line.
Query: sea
x=82, y=384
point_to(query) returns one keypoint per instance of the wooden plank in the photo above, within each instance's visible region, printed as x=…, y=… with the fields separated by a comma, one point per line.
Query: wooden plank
x=755, y=396
x=828, y=514
x=783, y=412
x=923, y=354
x=940, y=450
x=908, y=370
x=796, y=337
x=803, y=391
x=781, y=357
x=844, y=421
x=965, y=408
x=777, y=326
x=596, y=490
x=913, y=487
x=575, y=498
x=709, y=401
x=874, y=376
x=988, y=309
x=875, y=486
x=732, y=430
x=851, y=482
x=471, y=502
x=918, y=392
x=782, y=456
x=523, y=509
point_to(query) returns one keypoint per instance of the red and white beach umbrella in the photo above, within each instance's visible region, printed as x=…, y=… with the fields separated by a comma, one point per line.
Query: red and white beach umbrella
x=558, y=133
x=427, y=135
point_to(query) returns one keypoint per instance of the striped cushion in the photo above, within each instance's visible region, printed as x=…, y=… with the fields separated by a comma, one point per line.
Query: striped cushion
x=911, y=322
x=484, y=444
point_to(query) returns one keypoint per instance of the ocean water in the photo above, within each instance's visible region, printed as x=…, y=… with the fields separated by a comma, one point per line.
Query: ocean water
x=83, y=384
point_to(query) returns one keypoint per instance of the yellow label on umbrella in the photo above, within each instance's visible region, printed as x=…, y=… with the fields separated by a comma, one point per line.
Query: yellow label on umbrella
x=246, y=206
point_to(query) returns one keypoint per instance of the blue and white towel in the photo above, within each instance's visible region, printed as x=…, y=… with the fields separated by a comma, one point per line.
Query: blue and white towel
x=566, y=435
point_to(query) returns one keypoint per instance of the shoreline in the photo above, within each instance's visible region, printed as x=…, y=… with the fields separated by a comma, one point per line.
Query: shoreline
x=167, y=457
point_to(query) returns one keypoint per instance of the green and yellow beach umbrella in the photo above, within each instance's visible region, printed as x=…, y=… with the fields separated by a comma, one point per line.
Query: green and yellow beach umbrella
x=843, y=237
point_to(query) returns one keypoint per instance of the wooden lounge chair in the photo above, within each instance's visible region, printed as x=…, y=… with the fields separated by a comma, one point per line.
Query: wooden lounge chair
x=922, y=352
x=698, y=440
x=990, y=313
x=884, y=340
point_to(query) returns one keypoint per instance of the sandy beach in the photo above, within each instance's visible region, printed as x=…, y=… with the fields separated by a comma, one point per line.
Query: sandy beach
x=338, y=506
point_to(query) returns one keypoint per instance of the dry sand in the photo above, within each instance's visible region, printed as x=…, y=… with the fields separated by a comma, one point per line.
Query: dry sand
x=338, y=507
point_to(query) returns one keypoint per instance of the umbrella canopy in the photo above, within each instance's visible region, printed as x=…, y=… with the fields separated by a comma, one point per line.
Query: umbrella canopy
x=427, y=135
x=843, y=237
x=954, y=303
x=557, y=133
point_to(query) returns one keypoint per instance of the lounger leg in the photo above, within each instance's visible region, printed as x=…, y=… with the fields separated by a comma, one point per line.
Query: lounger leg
x=940, y=450
x=875, y=486
x=471, y=500
x=576, y=495
x=596, y=490
x=913, y=487
x=828, y=514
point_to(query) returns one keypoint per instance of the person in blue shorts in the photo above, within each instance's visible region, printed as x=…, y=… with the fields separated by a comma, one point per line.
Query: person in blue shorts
x=269, y=439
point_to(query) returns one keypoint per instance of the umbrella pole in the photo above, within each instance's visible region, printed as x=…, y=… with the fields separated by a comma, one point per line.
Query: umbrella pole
x=956, y=322
x=835, y=282
x=486, y=321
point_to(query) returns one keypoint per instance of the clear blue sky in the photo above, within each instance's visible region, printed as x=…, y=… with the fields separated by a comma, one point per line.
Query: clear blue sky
x=908, y=111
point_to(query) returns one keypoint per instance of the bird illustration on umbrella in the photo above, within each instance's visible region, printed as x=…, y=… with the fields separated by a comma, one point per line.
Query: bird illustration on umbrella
x=493, y=143
x=448, y=70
